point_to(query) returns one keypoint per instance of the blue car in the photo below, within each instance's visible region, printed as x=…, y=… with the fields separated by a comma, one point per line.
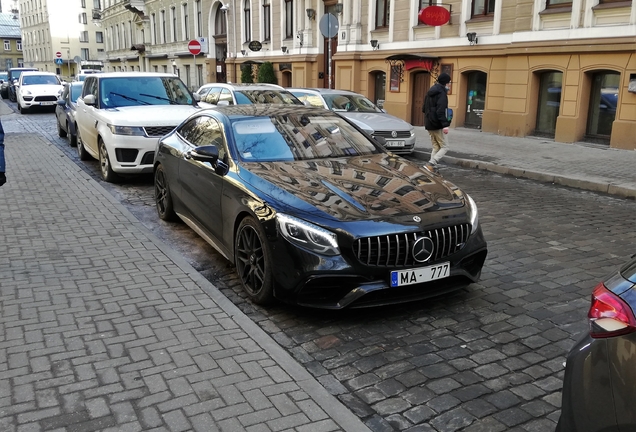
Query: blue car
x=65, y=111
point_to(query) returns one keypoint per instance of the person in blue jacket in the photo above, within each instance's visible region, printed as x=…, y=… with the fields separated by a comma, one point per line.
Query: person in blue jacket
x=437, y=120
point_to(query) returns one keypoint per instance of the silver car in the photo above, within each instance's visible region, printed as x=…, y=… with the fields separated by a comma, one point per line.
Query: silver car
x=399, y=134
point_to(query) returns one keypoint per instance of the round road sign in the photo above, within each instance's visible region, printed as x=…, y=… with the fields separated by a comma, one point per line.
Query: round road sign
x=58, y=54
x=194, y=46
x=329, y=25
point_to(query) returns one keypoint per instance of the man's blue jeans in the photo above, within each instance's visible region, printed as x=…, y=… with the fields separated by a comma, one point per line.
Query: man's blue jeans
x=1, y=148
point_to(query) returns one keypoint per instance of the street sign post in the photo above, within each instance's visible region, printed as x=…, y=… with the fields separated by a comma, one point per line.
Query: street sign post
x=58, y=55
x=59, y=61
x=194, y=46
x=329, y=28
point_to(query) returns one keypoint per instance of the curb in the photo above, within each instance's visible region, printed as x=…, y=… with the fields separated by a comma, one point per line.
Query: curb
x=610, y=189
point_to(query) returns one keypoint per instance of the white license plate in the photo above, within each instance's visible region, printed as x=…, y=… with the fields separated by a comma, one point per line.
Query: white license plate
x=395, y=143
x=46, y=103
x=419, y=275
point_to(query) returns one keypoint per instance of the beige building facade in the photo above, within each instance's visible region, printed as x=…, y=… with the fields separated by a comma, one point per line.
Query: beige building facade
x=68, y=27
x=554, y=68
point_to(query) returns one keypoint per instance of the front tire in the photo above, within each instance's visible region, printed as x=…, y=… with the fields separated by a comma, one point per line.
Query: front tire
x=60, y=132
x=108, y=174
x=81, y=151
x=163, y=198
x=252, y=256
x=22, y=109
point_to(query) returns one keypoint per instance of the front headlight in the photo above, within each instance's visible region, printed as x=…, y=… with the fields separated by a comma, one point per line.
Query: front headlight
x=307, y=236
x=412, y=133
x=25, y=92
x=127, y=130
x=472, y=213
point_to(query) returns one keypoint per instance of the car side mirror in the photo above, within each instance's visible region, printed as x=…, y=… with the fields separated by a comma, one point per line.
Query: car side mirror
x=209, y=153
x=61, y=102
x=89, y=100
x=223, y=103
x=196, y=96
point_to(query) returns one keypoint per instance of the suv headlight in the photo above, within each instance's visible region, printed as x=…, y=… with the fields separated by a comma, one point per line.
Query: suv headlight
x=307, y=235
x=25, y=92
x=127, y=130
x=472, y=213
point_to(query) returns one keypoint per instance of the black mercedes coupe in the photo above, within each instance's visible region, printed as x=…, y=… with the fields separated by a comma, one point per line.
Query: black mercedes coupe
x=311, y=210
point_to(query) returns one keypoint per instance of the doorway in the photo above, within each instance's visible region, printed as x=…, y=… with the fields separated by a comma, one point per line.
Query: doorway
x=421, y=84
x=549, y=103
x=475, y=99
x=603, y=104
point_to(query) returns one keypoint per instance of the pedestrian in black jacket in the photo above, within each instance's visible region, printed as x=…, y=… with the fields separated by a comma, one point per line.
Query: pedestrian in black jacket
x=437, y=119
x=3, y=177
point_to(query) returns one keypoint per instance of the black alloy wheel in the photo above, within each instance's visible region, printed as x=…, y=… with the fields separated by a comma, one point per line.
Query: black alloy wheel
x=81, y=151
x=252, y=256
x=163, y=199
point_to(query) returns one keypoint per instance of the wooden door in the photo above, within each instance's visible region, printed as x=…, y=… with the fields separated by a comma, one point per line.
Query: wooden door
x=421, y=84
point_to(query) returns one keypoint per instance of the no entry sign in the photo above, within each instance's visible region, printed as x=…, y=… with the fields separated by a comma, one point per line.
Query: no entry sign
x=194, y=47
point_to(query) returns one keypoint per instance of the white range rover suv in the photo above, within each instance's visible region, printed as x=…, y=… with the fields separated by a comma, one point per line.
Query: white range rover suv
x=36, y=89
x=121, y=116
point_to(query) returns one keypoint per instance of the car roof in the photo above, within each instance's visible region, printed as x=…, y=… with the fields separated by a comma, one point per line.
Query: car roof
x=324, y=91
x=131, y=74
x=266, y=110
x=24, y=69
x=245, y=86
x=36, y=73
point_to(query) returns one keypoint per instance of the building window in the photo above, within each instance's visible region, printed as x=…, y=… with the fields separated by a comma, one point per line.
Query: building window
x=82, y=18
x=289, y=19
x=199, y=29
x=266, y=21
x=483, y=7
x=163, y=26
x=153, y=25
x=84, y=36
x=83, y=4
x=99, y=37
x=382, y=13
x=18, y=45
x=97, y=4
x=85, y=54
x=7, y=45
x=187, y=76
x=219, y=23
x=247, y=18
x=20, y=62
x=174, y=24
x=186, y=30
x=558, y=3
x=165, y=69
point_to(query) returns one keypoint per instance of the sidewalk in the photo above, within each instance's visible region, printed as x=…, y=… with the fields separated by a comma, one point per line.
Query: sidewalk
x=580, y=165
x=104, y=327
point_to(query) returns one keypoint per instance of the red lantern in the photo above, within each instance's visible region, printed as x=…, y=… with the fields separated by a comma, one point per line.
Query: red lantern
x=434, y=15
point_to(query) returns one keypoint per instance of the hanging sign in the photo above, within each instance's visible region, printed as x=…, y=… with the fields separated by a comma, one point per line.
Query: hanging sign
x=434, y=16
x=255, y=46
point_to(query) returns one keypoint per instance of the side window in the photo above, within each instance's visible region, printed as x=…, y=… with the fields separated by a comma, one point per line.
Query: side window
x=187, y=130
x=90, y=87
x=226, y=96
x=208, y=132
x=213, y=96
x=65, y=94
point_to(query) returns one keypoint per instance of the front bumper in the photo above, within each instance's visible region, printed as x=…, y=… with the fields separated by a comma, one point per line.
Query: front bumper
x=130, y=154
x=400, y=145
x=343, y=282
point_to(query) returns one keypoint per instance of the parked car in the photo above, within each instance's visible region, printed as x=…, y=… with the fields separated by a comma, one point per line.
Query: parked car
x=314, y=212
x=4, y=84
x=599, y=386
x=399, y=134
x=65, y=111
x=37, y=89
x=238, y=94
x=14, y=76
x=121, y=115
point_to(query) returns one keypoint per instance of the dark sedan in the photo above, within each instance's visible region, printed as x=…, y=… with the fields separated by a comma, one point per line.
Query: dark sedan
x=599, y=387
x=312, y=211
x=65, y=111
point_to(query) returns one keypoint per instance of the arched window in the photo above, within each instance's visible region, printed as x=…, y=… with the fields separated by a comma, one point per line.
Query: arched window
x=603, y=104
x=550, y=84
x=220, y=28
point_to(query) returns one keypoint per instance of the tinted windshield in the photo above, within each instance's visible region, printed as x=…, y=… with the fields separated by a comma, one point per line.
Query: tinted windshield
x=143, y=90
x=266, y=96
x=40, y=80
x=347, y=102
x=4, y=76
x=290, y=136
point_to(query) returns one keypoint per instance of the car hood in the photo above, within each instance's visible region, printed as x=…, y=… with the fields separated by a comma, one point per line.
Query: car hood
x=42, y=89
x=148, y=115
x=376, y=187
x=379, y=121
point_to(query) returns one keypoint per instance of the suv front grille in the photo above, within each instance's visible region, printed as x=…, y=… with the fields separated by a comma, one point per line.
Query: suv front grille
x=158, y=131
x=395, y=250
x=387, y=134
x=46, y=98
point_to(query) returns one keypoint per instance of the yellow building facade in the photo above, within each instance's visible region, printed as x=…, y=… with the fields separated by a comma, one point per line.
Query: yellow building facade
x=554, y=68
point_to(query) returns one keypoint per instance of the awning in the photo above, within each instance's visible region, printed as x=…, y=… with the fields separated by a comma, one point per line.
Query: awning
x=252, y=62
x=406, y=56
x=154, y=56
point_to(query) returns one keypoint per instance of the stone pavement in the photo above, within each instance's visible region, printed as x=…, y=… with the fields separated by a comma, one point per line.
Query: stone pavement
x=580, y=165
x=104, y=327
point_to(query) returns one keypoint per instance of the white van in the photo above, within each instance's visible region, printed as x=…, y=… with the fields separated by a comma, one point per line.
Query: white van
x=83, y=73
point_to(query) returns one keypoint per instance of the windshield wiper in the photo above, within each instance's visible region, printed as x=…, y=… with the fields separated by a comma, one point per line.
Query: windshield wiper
x=160, y=98
x=129, y=98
